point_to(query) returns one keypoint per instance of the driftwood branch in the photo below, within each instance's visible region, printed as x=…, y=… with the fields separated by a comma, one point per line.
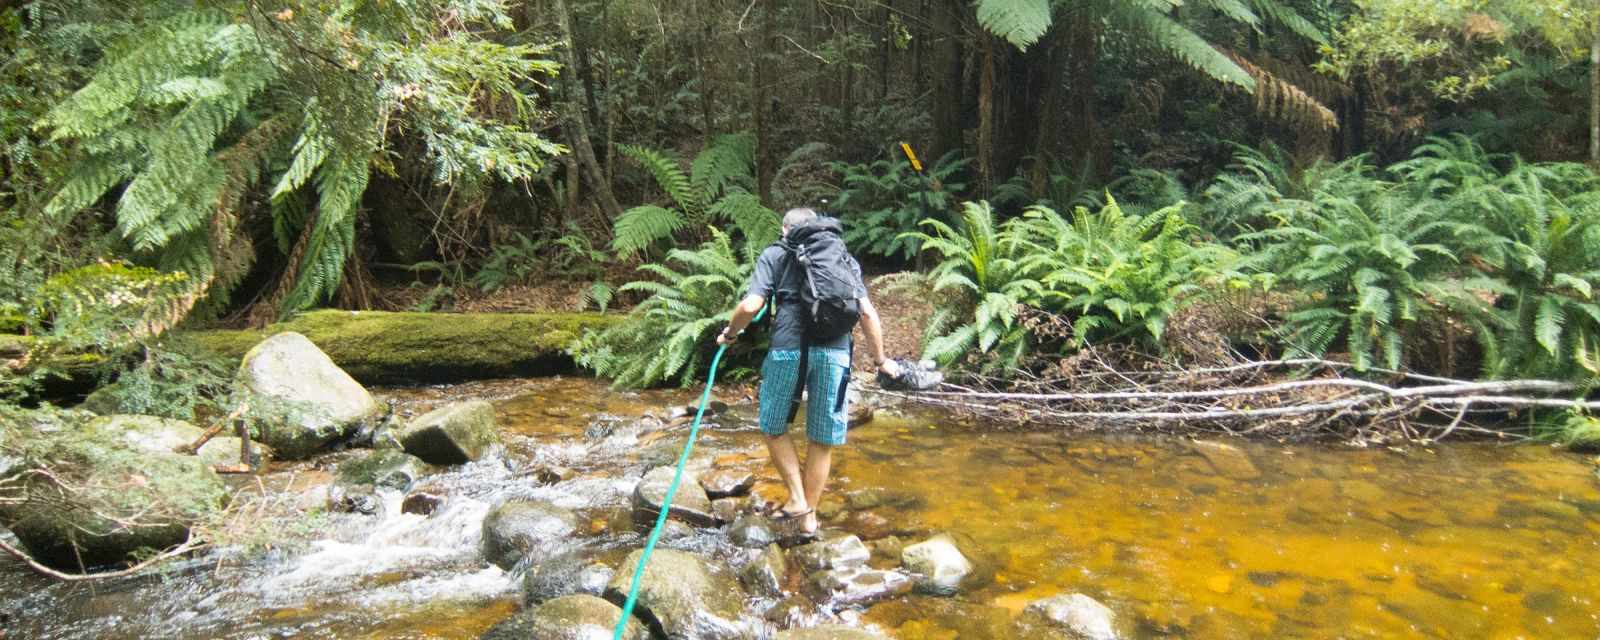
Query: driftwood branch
x=1244, y=399
x=39, y=568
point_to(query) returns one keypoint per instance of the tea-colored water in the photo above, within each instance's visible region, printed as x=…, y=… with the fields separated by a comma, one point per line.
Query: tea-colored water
x=1181, y=540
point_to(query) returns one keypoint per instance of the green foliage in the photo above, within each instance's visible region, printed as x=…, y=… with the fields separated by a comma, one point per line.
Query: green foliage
x=196, y=109
x=884, y=200
x=1020, y=22
x=569, y=255
x=1261, y=182
x=173, y=378
x=667, y=338
x=720, y=188
x=109, y=305
x=1107, y=275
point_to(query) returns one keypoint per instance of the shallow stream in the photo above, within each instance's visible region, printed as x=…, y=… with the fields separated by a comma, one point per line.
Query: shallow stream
x=1179, y=539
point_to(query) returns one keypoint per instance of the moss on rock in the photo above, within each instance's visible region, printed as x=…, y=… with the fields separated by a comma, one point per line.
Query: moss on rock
x=399, y=347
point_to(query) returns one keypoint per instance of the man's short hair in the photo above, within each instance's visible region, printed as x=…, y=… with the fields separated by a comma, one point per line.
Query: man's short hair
x=798, y=216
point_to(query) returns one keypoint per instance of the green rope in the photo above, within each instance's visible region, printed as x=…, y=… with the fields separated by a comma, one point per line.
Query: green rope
x=672, y=490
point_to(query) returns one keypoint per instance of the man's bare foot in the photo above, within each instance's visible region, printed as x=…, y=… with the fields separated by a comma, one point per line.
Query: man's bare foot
x=809, y=524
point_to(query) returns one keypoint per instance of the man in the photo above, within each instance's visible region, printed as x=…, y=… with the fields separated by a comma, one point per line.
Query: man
x=828, y=362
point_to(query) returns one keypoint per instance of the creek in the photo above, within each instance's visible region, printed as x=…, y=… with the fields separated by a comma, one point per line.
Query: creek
x=1244, y=539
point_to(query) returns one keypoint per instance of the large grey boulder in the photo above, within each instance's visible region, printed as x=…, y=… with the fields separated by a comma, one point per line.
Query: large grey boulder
x=517, y=530
x=576, y=617
x=383, y=468
x=456, y=433
x=684, y=597
x=690, y=505
x=565, y=575
x=1068, y=617
x=120, y=500
x=829, y=632
x=316, y=401
x=162, y=436
x=939, y=565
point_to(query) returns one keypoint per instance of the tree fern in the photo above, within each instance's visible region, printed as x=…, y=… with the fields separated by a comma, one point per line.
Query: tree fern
x=1020, y=22
x=717, y=189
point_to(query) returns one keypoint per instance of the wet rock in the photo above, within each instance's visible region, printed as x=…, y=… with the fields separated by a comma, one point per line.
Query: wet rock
x=869, y=525
x=766, y=574
x=939, y=565
x=359, y=500
x=933, y=617
x=690, y=505
x=1070, y=617
x=121, y=504
x=725, y=510
x=672, y=531
x=383, y=468
x=320, y=403
x=565, y=575
x=165, y=436
x=547, y=476
x=727, y=483
x=515, y=530
x=887, y=548
x=684, y=597
x=422, y=504
x=863, y=499
x=857, y=586
x=829, y=632
x=456, y=433
x=1228, y=460
x=839, y=552
x=575, y=617
x=752, y=531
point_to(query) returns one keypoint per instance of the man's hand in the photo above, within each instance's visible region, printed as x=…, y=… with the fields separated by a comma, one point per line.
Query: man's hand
x=890, y=368
x=726, y=338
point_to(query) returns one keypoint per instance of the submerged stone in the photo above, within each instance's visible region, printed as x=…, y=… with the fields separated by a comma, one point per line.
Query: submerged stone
x=829, y=632
x=939, y=565
x=316, y=401
x=456, y=433
x=1072, y=617
x=1228, y=460
x=575, y=617
x=515, y=530
x=683, y=596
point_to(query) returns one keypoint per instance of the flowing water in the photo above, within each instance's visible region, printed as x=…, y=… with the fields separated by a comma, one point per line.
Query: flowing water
x=1181, y=540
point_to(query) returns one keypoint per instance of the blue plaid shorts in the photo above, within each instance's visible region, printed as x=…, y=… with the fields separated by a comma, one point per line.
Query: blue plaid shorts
x=826, y=413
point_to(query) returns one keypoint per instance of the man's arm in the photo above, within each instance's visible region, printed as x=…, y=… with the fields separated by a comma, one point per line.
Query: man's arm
x=873, y=327
x=742, y=314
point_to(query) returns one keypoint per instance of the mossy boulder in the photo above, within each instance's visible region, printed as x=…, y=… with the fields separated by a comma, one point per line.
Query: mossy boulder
x=314, y=400
x=683, y=596
x=163, y=435
x=379, y=347
x=576, y=617
x=389, y=468
x=103, y=501
x=456, y=433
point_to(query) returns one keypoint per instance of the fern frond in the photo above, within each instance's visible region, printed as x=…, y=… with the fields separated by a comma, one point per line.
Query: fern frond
x=1020, y=22
x=641, y=227
x=664, y=168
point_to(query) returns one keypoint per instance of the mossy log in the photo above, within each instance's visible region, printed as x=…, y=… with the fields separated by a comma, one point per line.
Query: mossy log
x=378, y=347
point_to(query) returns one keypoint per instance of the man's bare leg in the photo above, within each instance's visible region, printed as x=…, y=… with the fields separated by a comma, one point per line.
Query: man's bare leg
x=819, y=461
x=788, y=464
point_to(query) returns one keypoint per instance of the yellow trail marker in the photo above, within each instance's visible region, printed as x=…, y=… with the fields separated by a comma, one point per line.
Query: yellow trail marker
x=912, y=156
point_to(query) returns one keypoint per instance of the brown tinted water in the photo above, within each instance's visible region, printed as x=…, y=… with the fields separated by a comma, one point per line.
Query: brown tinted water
x=1181, y=540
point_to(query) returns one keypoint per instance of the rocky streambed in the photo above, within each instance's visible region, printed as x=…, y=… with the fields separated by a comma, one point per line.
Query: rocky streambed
x=934, y=528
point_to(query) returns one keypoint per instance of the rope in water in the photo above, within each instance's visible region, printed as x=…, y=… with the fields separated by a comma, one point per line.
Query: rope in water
x=672, y=490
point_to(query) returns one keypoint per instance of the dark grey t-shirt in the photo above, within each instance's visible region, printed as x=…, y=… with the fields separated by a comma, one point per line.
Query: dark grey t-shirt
x=787, y=323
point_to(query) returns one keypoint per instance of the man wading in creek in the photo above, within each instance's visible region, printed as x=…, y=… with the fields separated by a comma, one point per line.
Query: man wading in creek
x=819, y=298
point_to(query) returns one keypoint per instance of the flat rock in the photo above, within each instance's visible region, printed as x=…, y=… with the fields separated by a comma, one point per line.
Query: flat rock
x=456, y=433
x=575, y=617
x=1228, y=460
x=857, y=586
x=690, y=505
x=515, y=530
x=317, y=402
x=683, y=596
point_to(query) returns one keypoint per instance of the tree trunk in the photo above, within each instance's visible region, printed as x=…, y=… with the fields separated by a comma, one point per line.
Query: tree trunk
x=1594, y=96
x=1084, y=134
x=947, y=61
x=761, y=101
x=986, y=117
x=577, y=121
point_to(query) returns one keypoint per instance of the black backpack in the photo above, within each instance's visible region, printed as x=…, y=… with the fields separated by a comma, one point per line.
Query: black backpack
x=828, y=282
